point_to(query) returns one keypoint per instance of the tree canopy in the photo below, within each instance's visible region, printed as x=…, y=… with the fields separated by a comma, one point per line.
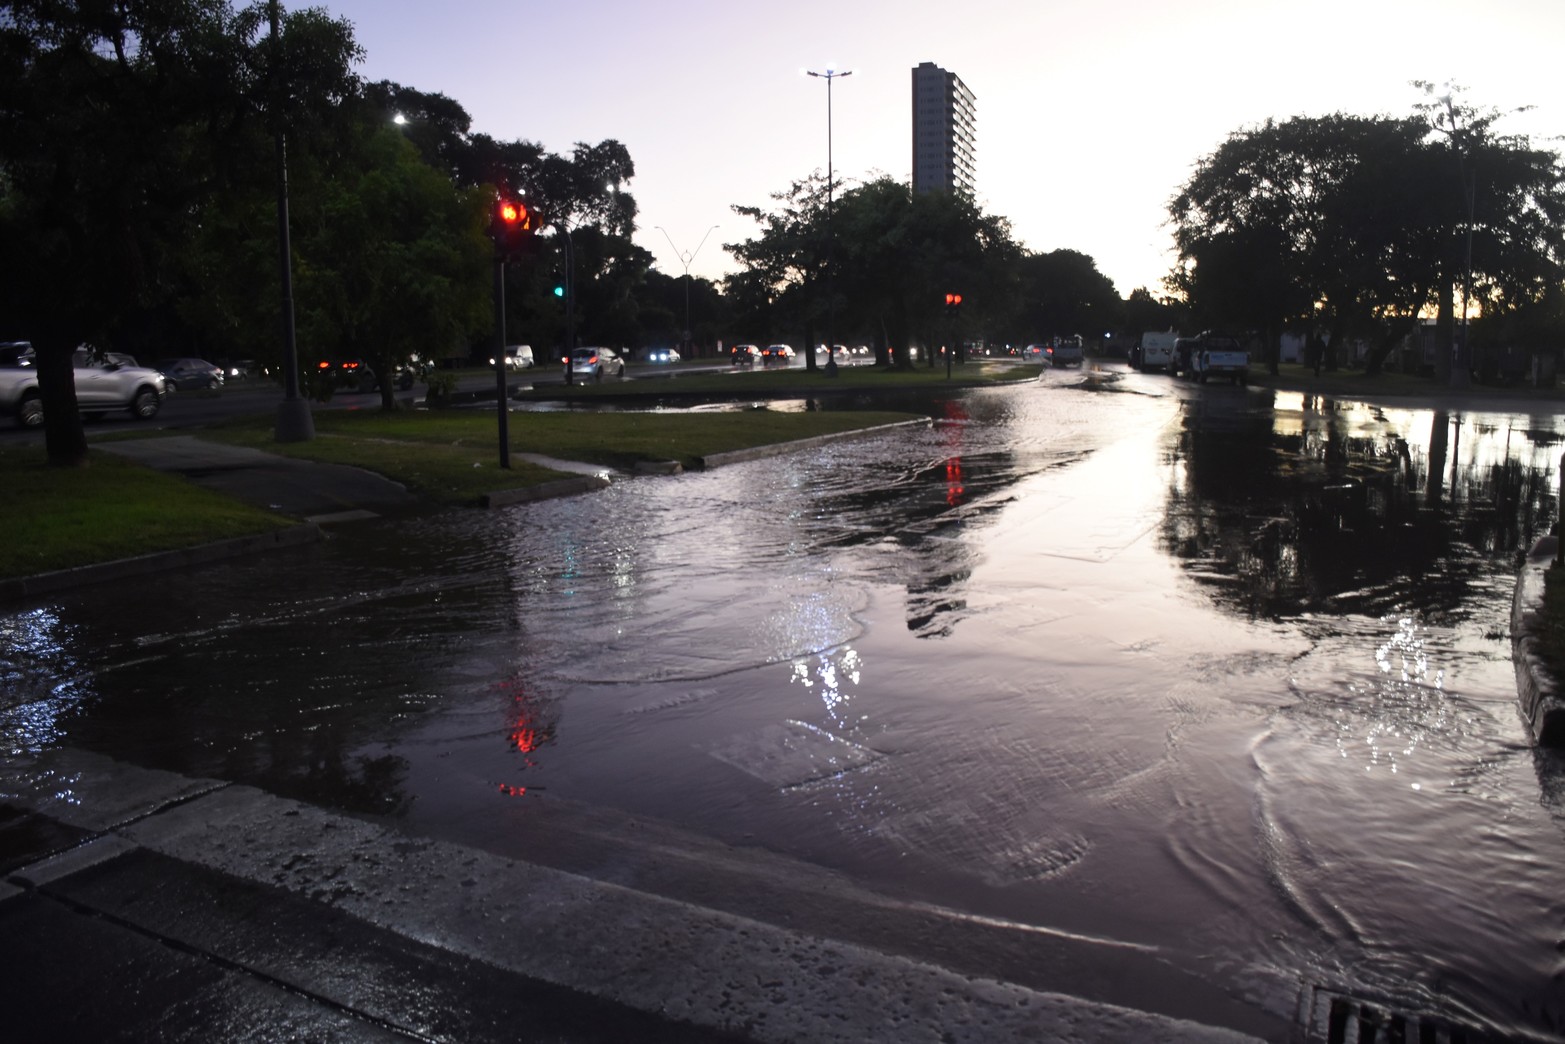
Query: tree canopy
x=1349, y=226
x=894, y=256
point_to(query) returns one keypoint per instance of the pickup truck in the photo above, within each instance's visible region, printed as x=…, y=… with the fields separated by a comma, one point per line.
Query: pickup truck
x=104, y=382
x=1213, y=355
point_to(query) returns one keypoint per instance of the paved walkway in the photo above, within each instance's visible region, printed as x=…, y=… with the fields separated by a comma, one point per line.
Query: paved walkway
x=313, y=491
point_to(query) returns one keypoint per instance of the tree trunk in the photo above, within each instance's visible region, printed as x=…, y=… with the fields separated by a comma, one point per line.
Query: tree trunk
x=1443, y=324
x=64, y=440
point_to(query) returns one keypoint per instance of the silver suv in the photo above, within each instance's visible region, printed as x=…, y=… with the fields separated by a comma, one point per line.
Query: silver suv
x=105, y=381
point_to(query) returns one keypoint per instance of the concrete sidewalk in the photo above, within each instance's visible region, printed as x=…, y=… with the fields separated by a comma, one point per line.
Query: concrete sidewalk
x=309, y=490
x=143, y=905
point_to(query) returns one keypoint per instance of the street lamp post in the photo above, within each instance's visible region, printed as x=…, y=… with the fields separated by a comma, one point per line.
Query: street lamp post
x=831, y=301
x=686, y=260
x=294, y=422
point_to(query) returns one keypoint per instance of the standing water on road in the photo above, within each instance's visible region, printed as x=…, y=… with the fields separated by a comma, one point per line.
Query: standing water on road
x=1224, y=678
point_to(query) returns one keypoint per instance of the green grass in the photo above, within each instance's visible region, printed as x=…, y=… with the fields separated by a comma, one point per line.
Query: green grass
x=761, y=383
x=58, y=518
x=452, y=455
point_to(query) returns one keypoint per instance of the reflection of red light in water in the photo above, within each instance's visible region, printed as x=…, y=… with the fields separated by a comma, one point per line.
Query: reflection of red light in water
x=955, y=490
x=510, y=791
x=524, y=738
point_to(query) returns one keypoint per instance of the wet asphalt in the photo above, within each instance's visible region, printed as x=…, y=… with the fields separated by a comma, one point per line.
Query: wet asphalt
x=139, y=905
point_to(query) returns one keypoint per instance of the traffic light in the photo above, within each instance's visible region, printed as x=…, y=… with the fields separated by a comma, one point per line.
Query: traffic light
x=953, y=305
x=513, y=227
x=558, y=284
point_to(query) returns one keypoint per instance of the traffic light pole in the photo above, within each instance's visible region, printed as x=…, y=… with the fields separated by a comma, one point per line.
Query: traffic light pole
x=570, y=304
x=502, y=414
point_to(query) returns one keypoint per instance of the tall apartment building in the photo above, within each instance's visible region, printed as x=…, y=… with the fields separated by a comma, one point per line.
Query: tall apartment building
x=944, y=131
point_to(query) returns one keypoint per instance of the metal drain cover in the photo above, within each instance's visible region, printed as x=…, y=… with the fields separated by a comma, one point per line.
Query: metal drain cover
x=1333, y=1017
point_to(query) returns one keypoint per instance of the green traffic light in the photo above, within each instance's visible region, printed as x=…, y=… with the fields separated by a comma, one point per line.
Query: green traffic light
x=559, y=291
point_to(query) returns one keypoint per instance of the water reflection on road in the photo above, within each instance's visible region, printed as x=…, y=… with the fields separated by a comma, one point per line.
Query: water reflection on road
x=1224, y=676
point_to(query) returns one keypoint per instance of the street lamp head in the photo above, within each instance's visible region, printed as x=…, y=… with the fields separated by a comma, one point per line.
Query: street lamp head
x=399, y=119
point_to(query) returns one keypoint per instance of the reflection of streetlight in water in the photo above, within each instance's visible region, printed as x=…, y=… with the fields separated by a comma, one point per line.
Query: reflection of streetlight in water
x=831, y=672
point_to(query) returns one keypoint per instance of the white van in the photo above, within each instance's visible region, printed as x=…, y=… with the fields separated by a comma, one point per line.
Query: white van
x=1155, y=352
x=517, y=356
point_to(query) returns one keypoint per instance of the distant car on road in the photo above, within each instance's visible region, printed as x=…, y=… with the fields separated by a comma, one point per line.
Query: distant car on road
x=105, y=382
x=597, y=363
x=776, y=353
x=187, y=374
x=744, y=355
x=1064, y=351
x=658, y=355
x=517, y=356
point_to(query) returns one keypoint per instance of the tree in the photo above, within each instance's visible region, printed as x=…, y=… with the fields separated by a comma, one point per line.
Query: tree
x=1343, y=225
x=1063, y=293
x=897, y=255
x=395, y=260
x=1503, y=208
x=117, y=123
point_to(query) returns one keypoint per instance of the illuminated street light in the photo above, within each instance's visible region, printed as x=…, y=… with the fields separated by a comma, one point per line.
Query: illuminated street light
x=831, y=73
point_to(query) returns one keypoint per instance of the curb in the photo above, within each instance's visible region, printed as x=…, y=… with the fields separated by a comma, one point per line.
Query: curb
x=545, y=491
x=717, y=460
x=1542, y=707
x=157, y=562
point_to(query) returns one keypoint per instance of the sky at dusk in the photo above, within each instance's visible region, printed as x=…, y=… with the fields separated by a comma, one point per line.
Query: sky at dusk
x=1090, y=115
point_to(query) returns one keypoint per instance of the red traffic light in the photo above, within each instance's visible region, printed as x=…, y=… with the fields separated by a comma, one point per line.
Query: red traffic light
x=512, y=228
x=513, y=214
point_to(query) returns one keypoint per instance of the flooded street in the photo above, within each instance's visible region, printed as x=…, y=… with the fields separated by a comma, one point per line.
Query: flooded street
x=1218, y=673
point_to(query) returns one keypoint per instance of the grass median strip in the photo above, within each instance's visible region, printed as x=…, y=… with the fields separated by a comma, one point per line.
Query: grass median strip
x=59, y=518
x=762, y=382
x=452, y=455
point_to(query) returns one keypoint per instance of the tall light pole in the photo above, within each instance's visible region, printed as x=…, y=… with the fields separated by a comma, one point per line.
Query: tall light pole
x=685, y=260
x=829, y=75
x=294, y=422
x=1448, y=123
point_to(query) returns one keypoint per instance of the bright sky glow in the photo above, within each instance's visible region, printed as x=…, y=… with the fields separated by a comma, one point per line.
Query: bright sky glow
x=1090, y=115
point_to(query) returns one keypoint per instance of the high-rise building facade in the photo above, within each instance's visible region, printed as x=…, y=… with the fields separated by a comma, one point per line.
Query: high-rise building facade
x=945, y=122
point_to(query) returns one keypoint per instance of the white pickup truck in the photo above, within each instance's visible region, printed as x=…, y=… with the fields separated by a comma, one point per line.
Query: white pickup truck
x=104, y=382
x=1213, y=355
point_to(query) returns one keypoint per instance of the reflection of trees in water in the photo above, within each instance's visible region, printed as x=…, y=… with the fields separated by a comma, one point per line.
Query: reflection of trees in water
x=1277, y=522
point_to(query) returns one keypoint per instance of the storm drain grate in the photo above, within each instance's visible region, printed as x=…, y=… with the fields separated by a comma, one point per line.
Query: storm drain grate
x=1336, y=1018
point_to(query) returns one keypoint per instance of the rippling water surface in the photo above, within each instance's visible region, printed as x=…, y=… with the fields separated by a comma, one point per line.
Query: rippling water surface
x=1228, y=676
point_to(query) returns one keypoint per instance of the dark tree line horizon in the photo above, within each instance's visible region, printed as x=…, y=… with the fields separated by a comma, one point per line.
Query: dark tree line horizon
x=137, y=212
